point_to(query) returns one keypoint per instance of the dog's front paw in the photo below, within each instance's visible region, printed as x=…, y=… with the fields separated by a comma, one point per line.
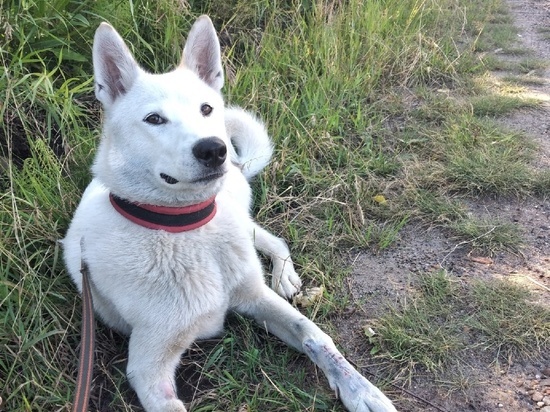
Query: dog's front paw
x=171, y=405
x=359, y=395
x=162, y=399
x=174, y=405
x=353, y=389
x=285, y=280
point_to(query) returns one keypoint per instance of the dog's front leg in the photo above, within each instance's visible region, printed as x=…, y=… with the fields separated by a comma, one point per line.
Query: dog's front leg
x=152, y=360
x=281, y=319
x=285, y=281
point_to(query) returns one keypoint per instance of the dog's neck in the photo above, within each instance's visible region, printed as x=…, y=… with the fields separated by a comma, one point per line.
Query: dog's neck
x=169, y=219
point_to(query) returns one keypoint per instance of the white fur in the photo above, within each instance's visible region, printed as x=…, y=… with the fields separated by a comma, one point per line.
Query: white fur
x=168, y=289
x=249, y=136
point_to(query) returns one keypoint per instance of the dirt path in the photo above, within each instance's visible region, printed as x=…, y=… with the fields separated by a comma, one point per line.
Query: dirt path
x=532, y=17
x=388, y=276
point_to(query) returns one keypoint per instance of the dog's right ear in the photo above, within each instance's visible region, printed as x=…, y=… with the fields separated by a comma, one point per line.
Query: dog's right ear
x=114, y=66
x=202, y=54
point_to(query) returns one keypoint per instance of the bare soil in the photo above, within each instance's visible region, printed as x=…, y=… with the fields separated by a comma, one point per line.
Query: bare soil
x=389, y=276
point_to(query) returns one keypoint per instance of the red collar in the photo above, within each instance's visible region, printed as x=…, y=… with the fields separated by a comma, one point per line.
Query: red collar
x=170, y=219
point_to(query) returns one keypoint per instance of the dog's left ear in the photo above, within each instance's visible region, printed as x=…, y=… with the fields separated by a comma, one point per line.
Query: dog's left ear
x=115, y=69
x=202, y=54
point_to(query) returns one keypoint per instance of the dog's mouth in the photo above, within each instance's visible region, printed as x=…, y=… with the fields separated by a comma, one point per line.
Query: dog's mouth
x=203, y=179
x=209, y=177
x=168, y=179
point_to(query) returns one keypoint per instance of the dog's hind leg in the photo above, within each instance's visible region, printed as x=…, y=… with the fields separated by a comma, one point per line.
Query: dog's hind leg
x=281, y=319
x=152, y=361
x=285, y=281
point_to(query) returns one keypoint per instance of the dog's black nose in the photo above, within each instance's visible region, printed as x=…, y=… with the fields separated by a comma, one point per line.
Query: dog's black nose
x=211, y=151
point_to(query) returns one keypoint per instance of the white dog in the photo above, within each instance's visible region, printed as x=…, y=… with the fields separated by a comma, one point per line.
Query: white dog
x=165, y=224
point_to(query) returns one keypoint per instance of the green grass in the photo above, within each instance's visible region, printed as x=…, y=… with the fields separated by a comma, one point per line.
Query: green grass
x=495, y=105
x=479, y=158
x=524, y=66
x=489, y=235
x=525, y=80
x=378, y=123
x=541, y=184
x=448, y=320
x=544, y=32
x=437, y=209
x=503, y=34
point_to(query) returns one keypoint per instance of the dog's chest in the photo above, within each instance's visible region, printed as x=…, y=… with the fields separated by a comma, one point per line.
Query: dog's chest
x=178, y=279
x=194, y=260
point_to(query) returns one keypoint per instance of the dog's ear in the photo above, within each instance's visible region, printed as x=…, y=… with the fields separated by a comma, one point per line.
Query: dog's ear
x=202, y=54
x=114, y=67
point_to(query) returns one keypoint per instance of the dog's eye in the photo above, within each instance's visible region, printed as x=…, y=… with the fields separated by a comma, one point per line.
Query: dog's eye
x=206, y=109
x=155, y=119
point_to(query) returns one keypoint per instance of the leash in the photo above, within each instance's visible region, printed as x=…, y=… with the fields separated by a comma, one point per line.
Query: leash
x=87, y=342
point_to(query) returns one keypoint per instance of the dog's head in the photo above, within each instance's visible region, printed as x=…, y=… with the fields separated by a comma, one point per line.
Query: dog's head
x=164, y=139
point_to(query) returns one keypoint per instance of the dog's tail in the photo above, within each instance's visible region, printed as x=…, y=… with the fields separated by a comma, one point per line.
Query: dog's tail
x=251, y=143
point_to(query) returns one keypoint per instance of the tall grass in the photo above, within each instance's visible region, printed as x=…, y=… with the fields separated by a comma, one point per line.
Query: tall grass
x=326, y=95
x=332, y=81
